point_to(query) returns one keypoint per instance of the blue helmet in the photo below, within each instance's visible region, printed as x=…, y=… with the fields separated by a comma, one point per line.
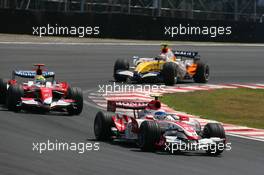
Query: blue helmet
x=160, y=115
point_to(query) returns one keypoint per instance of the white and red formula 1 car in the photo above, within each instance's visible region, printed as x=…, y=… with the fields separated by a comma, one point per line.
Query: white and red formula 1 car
x=39, y=94
x=153, y=129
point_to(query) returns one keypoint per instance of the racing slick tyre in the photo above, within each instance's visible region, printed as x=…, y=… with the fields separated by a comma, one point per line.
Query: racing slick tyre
x=202, y=73
x=120, y=64
x=214, y=130
x=77, y=95
x=169, y=73
x=102, y=126
x=14, y=95
x=149, y=135
x=3, y=91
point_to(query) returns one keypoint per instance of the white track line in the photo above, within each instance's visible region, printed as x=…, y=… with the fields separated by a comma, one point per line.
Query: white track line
x=245, y=137
x=248, y=133
x=246, y=86
x=235, y=127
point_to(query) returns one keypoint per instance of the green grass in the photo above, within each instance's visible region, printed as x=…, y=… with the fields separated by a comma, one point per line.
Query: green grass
x=235, y=106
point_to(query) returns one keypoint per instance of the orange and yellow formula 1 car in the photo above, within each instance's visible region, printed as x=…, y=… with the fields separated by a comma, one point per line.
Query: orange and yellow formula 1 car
x=185, y=65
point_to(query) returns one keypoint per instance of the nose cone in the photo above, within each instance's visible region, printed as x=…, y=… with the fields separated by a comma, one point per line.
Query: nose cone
x=48, y=101
x=46, y=95
x=136, y=76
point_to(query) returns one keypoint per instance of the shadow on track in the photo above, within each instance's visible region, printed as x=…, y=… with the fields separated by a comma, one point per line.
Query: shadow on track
x=133, y=147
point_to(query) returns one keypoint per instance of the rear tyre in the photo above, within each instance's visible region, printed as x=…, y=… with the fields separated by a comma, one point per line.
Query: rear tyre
x=14, y=95
x=169, y=73
x=149, y=135
x=214, y=130
x=77, y=95
x=202, y=73
x=3, y=91
x=102, y=126
x=120, y=65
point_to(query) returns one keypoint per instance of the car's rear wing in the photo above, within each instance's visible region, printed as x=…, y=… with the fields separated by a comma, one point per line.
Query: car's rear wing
x=31, y=74
x=112, y=105
x=188, y=54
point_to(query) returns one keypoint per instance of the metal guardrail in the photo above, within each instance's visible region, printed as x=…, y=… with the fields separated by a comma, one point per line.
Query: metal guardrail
x=237, y=10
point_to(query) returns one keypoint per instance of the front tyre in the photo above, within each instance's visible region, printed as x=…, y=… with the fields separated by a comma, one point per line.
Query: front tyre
x=102, y=126
x=3, y=91
x=14, y=95
x=76, y=95
x=214, y=130
x=120, y=65
x=149, y=135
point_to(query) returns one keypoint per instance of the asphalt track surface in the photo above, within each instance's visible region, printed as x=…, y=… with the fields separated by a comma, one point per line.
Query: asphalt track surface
x=88, y=66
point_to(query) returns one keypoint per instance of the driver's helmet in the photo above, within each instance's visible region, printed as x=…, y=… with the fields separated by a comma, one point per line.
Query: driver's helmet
x=164, y=48
x=39, y=79
x=162, y=56
x=160, y=115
